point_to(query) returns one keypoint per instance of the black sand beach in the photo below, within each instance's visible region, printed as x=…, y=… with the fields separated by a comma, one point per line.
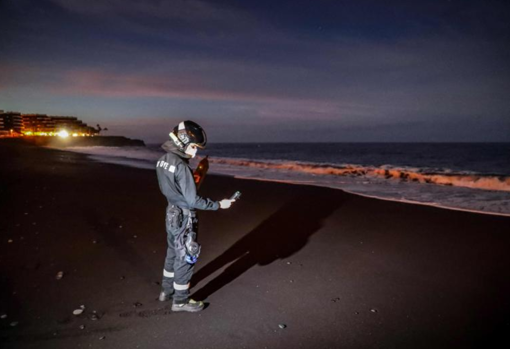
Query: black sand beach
x=287, y=266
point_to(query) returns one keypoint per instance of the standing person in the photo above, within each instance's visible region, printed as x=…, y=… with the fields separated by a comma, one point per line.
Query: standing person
x=176, y=182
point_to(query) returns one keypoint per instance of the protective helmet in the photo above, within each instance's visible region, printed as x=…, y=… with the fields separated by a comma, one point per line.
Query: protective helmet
x=188, y=132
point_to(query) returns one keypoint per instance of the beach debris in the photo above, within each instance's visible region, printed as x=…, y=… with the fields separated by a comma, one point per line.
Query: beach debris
x=122, y=277
x=334, y=300
x=356, y=312
x=157, y=283
x=14, y=323
x=94, y=241
x=26, y=213
x=289, y=263
x=373, y=310
x=95, y=316
x=120, y=226
x=82, y=327
x=291, y=281
x=282, y=326
x=135, y=236
x=103, y=337
x=10, y=241
x=137, y=304
x=79, y=310
x=60, y=275
x=4, y=316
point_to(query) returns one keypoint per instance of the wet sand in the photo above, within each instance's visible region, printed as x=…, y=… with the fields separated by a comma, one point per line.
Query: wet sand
x=335, y=270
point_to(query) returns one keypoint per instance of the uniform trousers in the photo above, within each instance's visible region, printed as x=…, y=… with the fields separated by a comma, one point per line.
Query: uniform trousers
x=177, y=272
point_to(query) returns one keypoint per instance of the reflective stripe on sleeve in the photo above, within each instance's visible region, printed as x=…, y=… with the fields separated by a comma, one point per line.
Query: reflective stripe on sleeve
x=167, y=274
x=180, y=287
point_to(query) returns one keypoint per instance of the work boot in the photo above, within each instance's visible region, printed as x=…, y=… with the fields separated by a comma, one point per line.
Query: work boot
x=191, y=306
x=165, y=296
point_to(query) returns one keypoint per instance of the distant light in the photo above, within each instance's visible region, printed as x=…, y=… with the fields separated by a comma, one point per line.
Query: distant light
x=63, y=134
x=75, y=135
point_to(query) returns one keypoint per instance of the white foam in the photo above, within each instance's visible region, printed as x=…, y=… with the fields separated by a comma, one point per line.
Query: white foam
x=386, y=172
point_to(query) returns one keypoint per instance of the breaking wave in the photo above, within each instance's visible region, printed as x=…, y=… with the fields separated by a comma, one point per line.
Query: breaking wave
x=467, y=180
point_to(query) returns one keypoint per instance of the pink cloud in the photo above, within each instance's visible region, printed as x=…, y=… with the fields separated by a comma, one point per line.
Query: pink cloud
x=265, y=106
x=106, y=84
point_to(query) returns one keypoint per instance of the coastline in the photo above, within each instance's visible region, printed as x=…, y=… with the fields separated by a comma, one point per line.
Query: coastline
x=410, y=202
x=131, y=163
x=339, y=270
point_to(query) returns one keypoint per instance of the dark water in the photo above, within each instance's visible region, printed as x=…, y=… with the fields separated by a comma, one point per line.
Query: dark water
x=482, y=158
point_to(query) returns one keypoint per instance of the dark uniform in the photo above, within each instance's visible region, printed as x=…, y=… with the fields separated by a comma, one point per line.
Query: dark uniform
x=176, y=182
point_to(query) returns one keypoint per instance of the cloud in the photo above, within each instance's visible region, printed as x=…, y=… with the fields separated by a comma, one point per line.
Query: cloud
x=107, y=84
x=262, y=107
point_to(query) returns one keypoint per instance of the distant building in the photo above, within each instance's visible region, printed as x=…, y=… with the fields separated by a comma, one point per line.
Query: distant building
x=11, y=122
x=37, y=123
x=3, y=132
x=17, y=124
x=72, y=125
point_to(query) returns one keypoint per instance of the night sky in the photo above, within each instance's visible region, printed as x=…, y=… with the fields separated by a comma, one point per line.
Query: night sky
x=259, y=71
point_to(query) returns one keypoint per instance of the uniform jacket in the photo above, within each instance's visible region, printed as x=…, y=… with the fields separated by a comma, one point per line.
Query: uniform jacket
x=176, y=181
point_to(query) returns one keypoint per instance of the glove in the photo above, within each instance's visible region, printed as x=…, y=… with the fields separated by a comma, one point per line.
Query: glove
x=226, y=203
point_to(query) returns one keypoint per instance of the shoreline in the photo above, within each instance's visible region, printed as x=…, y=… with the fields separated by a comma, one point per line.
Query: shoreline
x=451, y=197
x=121, y=162
x=410, y=202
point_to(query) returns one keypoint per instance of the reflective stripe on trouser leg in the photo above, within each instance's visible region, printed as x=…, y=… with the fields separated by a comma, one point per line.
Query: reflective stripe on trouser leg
x=178, y=287
x=181, y=293
x=167, y=283
x=168, y=274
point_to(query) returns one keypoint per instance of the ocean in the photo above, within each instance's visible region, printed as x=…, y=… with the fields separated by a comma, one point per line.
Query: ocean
x=463, y=176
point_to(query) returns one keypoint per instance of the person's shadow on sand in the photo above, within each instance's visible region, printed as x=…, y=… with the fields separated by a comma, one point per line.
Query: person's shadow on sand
x=279, y=236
